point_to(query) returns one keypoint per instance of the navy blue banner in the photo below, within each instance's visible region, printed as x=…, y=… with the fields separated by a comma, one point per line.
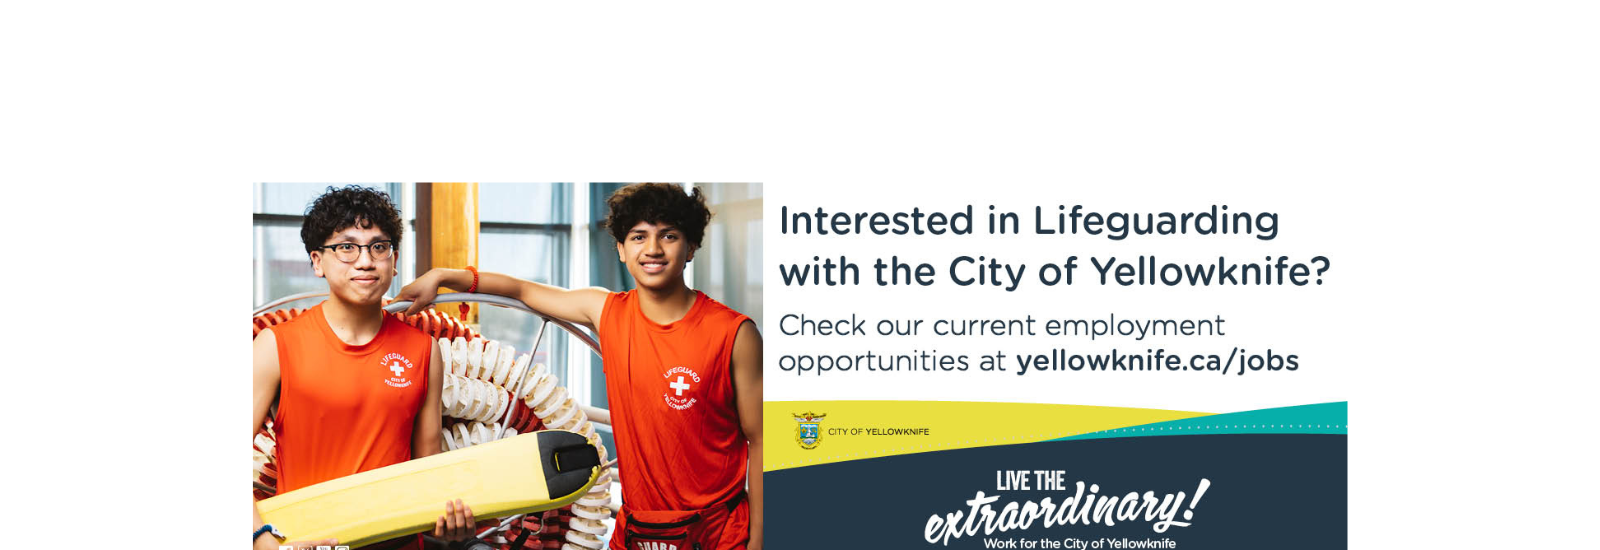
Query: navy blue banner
x=1260, y=491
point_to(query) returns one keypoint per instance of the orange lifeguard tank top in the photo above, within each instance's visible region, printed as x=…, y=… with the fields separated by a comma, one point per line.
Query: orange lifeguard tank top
x=345, y=409
x=672, y=404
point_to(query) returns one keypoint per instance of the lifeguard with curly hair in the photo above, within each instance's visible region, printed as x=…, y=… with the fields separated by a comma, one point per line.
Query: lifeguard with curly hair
x=356, y=389
x=683, y=376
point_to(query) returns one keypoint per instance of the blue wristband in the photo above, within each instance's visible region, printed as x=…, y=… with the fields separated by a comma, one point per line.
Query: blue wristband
x=268, y=528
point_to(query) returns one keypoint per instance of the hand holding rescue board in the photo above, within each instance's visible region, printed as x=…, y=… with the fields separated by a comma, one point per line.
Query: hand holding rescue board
x=516, y=475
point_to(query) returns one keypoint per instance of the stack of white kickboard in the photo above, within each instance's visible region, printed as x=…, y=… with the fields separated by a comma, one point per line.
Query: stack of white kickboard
x=474, y=388
x=262, y=455
x=481, y=385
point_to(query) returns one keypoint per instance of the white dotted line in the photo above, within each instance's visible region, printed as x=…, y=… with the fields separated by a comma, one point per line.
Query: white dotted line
x=1070, y=434
x=1222, y=427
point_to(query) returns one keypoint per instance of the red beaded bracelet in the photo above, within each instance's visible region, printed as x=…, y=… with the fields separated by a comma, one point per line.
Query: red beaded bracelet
x=473, y=288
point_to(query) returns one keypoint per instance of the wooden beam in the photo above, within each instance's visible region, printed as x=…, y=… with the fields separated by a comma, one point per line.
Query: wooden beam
x=424, y=230
x=453, y=231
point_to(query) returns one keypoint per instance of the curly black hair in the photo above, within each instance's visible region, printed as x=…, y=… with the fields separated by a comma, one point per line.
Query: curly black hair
x=658, y=203
x=349, y=206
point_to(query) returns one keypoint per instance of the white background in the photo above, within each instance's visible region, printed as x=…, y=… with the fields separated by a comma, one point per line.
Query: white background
x=1337, y=329
x=1440, y=153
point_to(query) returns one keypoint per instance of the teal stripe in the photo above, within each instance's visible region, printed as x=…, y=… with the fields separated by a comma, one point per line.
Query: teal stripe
x=1321, y=418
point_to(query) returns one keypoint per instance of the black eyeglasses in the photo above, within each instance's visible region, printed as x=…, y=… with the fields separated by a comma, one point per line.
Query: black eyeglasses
x=349, y=252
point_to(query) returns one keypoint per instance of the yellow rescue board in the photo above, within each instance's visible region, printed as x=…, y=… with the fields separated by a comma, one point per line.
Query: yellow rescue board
x=516, y=475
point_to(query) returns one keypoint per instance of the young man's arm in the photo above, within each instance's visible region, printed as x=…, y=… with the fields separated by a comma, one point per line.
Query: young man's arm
x=577, y=305
x=264, y=389
x=457, y=523
x=747, y=398
x=425, y=438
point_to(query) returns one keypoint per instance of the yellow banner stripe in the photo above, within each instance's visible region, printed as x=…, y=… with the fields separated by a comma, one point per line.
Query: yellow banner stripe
x=853, y=430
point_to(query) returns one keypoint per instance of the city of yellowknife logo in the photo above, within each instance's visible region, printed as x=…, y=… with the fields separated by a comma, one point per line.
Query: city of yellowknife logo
x=808, y=433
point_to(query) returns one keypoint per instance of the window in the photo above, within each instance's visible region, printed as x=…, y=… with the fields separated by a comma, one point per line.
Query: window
x=728, y=265
x=524, y=230
x=281, y=267
x=604, y=269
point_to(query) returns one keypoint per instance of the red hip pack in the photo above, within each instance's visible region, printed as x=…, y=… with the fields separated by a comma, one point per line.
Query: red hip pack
x=722, y=527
